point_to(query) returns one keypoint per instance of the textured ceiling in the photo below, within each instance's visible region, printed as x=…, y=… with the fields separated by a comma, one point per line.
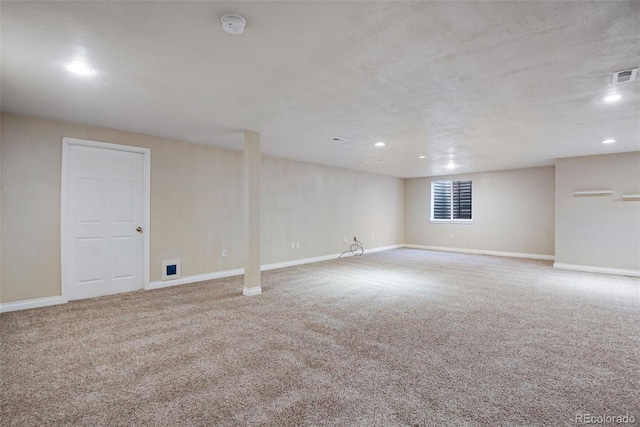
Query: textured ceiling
x=482, y=85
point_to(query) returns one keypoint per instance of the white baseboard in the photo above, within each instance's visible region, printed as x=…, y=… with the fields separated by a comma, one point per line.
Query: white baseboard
x=265, y=267
x=385, y=248
x=482, y=252
x=292, y=263
x=43, y=302
x=249, y=292
x=301, y=261
x=593, y=269
x=31, y=303
x=196, y=278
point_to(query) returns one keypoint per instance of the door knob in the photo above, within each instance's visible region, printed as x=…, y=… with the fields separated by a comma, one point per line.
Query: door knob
x=139, y=229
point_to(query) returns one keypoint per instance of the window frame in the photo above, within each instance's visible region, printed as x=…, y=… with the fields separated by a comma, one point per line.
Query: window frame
x=450, y=220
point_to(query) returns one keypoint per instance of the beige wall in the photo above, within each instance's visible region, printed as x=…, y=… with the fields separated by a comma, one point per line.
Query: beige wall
x=196, y=205
x=318, y=206
x=513, y=211
x=196, y=202
x=0, y=208
x=600, y=231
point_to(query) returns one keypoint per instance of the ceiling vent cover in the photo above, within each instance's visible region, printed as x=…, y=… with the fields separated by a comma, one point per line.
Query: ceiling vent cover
x=339, y=140
x=624, y=76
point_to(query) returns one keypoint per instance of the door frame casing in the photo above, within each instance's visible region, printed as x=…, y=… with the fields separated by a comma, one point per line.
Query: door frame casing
x=67, y=143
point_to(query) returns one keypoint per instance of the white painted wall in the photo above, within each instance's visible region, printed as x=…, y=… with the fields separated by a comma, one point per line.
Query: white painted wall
x=513, y=211
x=601, y=231
x=196, y=206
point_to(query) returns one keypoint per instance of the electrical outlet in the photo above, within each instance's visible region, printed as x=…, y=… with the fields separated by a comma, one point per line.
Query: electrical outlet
x=373, y=237
x=297, y=245
x=224, y=252
x=452, y=236
x=293, y=245
x=346, y=239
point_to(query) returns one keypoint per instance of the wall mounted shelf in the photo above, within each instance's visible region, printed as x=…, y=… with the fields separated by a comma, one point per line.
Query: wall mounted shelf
x=593, y=193
x=630, y=197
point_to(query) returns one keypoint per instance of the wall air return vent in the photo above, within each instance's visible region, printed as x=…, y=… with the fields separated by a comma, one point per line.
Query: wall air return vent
x=624, y=76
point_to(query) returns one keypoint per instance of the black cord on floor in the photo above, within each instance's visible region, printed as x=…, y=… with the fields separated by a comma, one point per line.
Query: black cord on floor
x=356, y=249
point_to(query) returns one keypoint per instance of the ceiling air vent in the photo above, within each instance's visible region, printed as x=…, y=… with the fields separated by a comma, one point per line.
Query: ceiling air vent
x=339, y=140
x=624, y=76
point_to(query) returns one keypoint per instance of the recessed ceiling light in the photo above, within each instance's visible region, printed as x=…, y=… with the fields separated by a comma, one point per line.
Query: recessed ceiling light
x=613, y=97
x=608, y=141
x=79, y=68
x=422, y=157
x=380, y=144
x=451, y=165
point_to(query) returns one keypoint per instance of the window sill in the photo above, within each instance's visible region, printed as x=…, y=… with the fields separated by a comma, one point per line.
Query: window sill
x=451, y=221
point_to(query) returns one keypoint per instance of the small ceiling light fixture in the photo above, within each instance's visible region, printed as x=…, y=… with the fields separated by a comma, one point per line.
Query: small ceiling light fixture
x=79, y=68
x=608, y=141
x=613, y=97
x=233, y=24
x=380, y=144
x=451, y=165
x=422, y=157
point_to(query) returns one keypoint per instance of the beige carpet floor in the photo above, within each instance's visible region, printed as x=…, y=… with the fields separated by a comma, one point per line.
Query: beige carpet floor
x=402, y=337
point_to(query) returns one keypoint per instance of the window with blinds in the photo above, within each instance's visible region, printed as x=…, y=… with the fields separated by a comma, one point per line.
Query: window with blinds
x=451, y=201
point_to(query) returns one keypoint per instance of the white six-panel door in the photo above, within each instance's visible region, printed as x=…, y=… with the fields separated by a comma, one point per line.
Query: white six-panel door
x=104, y=221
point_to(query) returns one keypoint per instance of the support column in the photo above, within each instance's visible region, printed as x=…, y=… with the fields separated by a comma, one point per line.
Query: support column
x=252, y=284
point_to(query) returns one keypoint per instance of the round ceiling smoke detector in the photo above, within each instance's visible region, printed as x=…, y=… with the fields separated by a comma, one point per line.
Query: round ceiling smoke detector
x=233, y=24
